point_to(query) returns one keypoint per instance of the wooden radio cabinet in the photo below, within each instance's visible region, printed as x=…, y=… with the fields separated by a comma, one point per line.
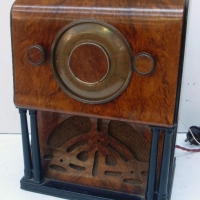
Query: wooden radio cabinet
x=101, y=80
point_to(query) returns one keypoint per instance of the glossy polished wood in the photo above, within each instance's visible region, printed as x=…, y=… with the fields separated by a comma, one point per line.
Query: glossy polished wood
x=152, y=26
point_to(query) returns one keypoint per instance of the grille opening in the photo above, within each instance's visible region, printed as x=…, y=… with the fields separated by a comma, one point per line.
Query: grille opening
x=116, y=149
x=95, y=164
x=82, y=156
x=132, y=181
x=68, y=129
x=131, y=138
x=58, y=168
x=76, y=167
x=113, y=173
x=48, y=157
x=110, y=160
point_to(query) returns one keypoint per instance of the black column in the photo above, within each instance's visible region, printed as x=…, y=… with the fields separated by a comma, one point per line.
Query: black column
x=173, y=146
x=35, y=147
x=25, y=145
x=152, y=165
x=165, y=167
x=172, y=162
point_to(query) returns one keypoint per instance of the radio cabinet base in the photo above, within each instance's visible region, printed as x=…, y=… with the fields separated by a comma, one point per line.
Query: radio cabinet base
x=78, y=157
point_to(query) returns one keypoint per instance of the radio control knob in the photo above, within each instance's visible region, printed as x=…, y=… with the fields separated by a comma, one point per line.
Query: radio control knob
x=35, y=55
x=144, y=63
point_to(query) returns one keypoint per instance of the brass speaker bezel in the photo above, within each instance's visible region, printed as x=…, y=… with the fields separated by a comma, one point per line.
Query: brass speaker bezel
x=117, y=49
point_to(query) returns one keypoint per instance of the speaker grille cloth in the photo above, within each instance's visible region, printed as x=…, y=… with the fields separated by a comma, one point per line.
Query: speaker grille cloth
x=131, y=138
x=69, y=128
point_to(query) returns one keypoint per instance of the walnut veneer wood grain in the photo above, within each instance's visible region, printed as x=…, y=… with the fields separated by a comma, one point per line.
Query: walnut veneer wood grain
x=113, y=157
x=150, y=26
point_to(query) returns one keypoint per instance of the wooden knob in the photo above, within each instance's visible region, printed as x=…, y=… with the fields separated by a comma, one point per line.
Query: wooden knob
x=144, y=63
x=35, y=55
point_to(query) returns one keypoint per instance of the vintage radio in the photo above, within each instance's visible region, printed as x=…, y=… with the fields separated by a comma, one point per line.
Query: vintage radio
x=101, y=80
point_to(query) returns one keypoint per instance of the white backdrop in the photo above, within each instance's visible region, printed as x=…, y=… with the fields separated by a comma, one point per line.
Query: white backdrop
x=190, y=95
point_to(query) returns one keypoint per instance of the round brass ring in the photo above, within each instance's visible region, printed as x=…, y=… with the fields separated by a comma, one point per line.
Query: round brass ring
x=104, y=52
x=114, y=47
x=140, y=58
x=37, y=56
